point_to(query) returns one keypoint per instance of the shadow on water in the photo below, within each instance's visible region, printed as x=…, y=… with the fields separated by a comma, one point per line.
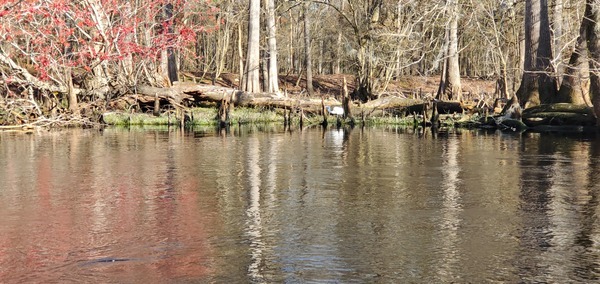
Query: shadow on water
x=558, y=208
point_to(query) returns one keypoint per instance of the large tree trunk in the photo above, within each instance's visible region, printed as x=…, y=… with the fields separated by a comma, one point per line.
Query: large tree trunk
x=252, y=74
x=444, y=54
x=592, y=12
x=338, y=54
x=538, y=85
x=171, y=60
x=307, y=51
x=450, y=84
x=575, y=85
x=557, y=41
x=366, y=56
x=222, y=41
x=97, y=85
x=273, y=80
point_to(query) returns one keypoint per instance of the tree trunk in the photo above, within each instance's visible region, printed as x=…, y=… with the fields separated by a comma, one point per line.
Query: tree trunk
x=444, y=54
x=575, y=85
x=223, y=42
x=97, y=85
x=453, y=89
x=538, y=85
x=338, y=54
x=273, y=81
x=320, y=59
x=169, y=60
x=252, y=74
x=557, y=41
x=592, y=12
x=72, y=95
x=307, y=51
x=290, y=67
x=241, y=81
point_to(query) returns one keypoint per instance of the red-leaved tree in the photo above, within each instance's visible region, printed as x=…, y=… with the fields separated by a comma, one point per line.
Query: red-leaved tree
x=76, y=50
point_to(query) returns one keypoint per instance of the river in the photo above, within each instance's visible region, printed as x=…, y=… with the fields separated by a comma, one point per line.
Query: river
x=263, y=205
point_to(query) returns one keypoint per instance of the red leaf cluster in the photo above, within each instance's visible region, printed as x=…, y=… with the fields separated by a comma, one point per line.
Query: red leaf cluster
x=57, y=34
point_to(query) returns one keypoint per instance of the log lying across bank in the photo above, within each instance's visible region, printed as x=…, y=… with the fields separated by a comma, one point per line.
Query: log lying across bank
x=188, y=94
x=559, y=114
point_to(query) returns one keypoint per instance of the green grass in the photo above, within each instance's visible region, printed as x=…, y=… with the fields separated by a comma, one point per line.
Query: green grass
x=208, y=117
x=197, y=116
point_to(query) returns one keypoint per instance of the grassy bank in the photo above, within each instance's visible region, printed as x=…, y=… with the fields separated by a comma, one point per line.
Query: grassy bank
x=208, y=117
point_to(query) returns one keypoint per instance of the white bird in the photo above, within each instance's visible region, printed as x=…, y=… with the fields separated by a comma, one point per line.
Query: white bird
x=336, y=110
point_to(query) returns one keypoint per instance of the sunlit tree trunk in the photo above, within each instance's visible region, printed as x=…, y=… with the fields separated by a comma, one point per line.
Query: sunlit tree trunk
x=557, y=41
x=338, y=55
x=453, y=86
x=98, y=83
x=242, y=77
x=450, y=85
x=538, y=85
x=171, y=61
x=252, y=74
x=575, y=85
x=273, y=84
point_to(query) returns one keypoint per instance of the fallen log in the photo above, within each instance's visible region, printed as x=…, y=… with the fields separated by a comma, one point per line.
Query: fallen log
x=191, y=94
x=559, y=107
x=559, y=114
x=391, y=103
x=558, y=118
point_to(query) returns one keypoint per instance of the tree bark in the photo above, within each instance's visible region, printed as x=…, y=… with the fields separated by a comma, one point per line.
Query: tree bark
x=575, y=85
x=171, y=60
x=557, y=33
x=241, y=84
x=273, y=80
x=338, y=55
x=538, y=85
x=252, y=74
x=453, y=89
x=307, y=51
x=592, y=12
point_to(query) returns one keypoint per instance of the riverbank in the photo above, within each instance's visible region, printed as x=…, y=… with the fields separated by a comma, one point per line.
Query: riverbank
x=198, y=91
x=407, y=102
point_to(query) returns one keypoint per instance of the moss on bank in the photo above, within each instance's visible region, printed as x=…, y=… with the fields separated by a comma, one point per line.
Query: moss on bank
x=208, y=116
x=196, y=116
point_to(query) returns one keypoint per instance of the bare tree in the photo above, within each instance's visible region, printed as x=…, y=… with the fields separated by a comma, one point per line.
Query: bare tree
x=450, y=87
x=575, y=84
x=169, y=61
x=252, y=72
x=307, y=50
x=592, y=14
x=273, y=80
x=538, y=84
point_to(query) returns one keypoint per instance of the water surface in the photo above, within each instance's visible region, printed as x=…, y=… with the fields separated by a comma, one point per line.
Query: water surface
x=269, y=206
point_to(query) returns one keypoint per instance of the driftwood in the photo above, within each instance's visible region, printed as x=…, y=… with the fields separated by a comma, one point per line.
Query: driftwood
x=560, y=107
x=182, y=95
x=186, y=94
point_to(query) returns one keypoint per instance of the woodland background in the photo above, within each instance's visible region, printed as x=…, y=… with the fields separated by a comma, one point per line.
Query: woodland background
x=59, y=55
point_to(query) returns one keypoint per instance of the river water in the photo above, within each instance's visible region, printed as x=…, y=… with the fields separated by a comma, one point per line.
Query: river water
x=252, y=205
